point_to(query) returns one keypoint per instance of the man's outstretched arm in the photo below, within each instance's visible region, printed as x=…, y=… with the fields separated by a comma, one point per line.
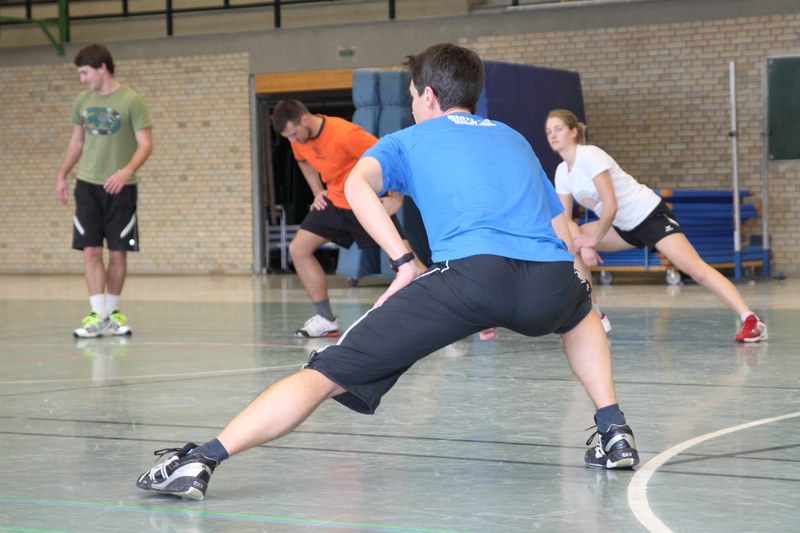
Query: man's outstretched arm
x=361, y=188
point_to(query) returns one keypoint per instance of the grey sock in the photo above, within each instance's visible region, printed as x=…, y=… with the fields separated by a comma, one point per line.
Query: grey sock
x=324, y=310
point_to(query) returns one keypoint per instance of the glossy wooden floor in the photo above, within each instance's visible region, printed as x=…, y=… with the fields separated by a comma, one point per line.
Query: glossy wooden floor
x=480, y=437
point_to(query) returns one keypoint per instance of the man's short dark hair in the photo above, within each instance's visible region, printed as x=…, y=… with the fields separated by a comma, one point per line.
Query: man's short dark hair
x=287, y=111
x=454, y=73
x=94, y=55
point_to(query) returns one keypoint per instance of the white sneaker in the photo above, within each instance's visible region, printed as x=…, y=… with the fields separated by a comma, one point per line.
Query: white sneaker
x=606, y=322
x=92, y=326
x=117, y=324
x=318, y=326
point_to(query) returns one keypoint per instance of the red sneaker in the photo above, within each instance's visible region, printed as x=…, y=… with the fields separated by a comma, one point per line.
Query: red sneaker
x=753, y=330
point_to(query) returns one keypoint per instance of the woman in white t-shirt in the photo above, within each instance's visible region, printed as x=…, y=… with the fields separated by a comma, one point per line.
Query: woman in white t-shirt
x=630, y=215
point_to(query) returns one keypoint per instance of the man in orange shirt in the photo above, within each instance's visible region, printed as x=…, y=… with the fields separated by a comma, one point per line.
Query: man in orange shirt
x=326, y=149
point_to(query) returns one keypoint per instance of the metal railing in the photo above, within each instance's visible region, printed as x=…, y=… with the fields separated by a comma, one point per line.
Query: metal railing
x=44, y=24
x=62, y=22
x=64, y=19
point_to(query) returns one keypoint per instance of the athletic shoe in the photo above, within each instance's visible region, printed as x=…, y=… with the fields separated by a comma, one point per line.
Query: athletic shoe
x=606, y=322
x=318, y=326
x=184, y=474
x=117, y=324
x=753, y=330
x=93, y=326
x=615, y=449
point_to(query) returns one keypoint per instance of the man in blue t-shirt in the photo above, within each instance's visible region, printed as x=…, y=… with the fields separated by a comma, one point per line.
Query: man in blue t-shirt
x=497, y=233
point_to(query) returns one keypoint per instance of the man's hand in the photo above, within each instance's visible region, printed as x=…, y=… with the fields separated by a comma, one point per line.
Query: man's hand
x=582, y=240
x=405, y=275
x=116, y=181
x=320, y=201
x=590, y=256
x=61, y=191
x=585, y=246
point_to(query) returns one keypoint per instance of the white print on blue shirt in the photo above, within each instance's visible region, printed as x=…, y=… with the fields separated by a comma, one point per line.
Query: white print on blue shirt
x=469, y=121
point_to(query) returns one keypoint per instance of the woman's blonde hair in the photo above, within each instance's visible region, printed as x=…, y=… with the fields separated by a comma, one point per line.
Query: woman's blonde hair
x=569, y=118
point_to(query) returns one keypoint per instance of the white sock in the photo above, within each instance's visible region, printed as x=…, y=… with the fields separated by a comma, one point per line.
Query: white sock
x=745, y=315
x=98, y=303
x=112, y=302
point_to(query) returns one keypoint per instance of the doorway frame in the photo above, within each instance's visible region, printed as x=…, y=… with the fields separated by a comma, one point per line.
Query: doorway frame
x=265, y=84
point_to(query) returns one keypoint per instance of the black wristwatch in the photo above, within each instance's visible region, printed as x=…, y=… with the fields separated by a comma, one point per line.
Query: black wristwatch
x=395, y=263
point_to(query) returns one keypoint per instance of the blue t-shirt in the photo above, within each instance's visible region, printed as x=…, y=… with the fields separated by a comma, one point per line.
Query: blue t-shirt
x=478, y=185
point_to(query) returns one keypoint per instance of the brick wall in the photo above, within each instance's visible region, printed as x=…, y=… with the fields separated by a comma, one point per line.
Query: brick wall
x=195, y=212
x=657, y=99
x=656, y=96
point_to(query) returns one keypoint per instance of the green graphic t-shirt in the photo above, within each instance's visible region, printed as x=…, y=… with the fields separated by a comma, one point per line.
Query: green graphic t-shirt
x=109, y=126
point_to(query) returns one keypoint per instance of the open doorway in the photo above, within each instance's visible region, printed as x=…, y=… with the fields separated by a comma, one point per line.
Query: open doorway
x=287, y=197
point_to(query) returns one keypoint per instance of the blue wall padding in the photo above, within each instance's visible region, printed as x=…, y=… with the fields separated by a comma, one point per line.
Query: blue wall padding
x=383, y=105
x=395, y=101
x=396, y=115
x=368, y=117
x=394, y=118
x=482, y=109
x=393, y=88
x=522, y=96
x=365, y=87
x=366, y=99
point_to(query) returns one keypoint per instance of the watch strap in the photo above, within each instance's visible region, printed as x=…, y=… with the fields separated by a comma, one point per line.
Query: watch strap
x=396, y=263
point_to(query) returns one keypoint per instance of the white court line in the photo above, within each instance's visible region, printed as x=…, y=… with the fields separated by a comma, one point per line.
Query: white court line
x=135, y=379
x=637, y=488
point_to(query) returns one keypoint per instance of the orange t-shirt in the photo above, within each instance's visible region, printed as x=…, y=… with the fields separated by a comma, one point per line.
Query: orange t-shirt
x=333, y=153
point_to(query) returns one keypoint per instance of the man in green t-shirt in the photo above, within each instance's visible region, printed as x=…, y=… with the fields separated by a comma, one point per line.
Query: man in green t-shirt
x=111, y=139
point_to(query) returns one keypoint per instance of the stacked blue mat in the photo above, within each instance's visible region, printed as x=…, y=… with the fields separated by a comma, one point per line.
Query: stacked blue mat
x=383, y=105
x=706, y=218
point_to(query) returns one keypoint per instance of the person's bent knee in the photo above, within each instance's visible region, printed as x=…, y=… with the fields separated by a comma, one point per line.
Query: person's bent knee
x=301, y=247
x=327, y=386
x=588, y=325
x=297, y=251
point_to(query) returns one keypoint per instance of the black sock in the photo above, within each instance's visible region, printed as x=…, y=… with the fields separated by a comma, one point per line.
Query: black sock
x=608, y=415
x=213, y=449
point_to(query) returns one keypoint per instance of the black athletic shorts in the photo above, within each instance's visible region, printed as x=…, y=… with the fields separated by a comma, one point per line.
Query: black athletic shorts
x=449, y=302
x=659, y=223
x=99, y=215
x=341, y=226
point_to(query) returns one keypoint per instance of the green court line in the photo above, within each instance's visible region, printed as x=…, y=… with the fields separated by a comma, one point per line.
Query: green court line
x=207, y=514
x=28, y=530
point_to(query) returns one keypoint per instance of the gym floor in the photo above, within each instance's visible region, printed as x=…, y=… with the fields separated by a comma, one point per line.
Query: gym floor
x=479, y=437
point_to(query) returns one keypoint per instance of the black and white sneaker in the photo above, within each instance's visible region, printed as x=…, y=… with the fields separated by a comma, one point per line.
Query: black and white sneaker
x=615, y=449
x=183, y=473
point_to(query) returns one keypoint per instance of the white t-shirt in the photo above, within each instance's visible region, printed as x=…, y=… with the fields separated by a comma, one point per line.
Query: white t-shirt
x=634, y=200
